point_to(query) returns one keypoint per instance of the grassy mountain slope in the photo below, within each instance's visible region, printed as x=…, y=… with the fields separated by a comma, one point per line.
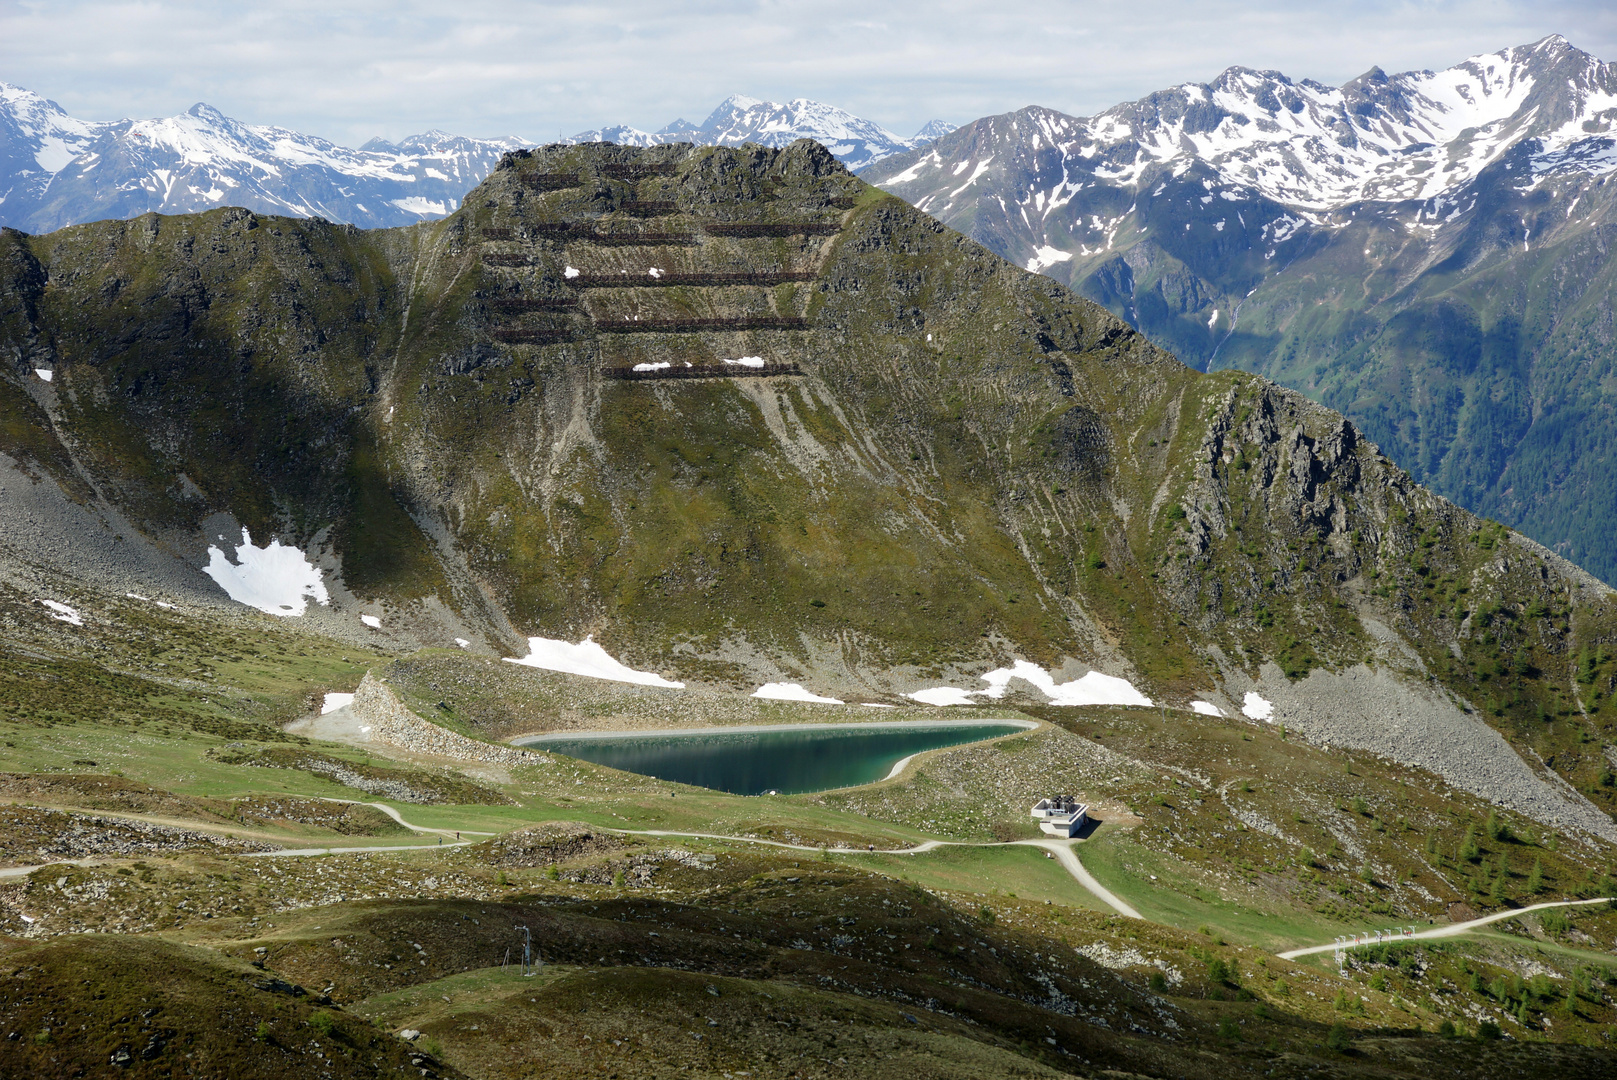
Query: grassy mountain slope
x=1465, y=334
x=973, y=464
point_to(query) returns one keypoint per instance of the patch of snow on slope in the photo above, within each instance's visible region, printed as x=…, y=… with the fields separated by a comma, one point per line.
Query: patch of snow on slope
x=45, y=373
x=63, y=612
x=276, y=579
x=587, y=659
x=1093, y=689
x=1255, y=707
x=415, y=204
x=463, y=643
x=334, y=702
x=371, y=621
x=1047, y=256
x=790, y=691
x=942, y=695
x=1206, y=708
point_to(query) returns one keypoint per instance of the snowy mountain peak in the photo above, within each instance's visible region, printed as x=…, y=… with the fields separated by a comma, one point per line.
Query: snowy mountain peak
x=933, y=130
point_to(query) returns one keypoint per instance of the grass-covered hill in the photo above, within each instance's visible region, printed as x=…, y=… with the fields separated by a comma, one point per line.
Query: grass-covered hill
x=525, y=419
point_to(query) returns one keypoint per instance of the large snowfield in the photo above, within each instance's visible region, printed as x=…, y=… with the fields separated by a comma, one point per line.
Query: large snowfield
x=276, y=578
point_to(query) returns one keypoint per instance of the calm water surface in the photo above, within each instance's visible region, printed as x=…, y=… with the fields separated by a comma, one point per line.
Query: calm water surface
x=754, y=762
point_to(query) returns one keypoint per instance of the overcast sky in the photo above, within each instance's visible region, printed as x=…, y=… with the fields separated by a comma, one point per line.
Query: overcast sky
x=348, y=70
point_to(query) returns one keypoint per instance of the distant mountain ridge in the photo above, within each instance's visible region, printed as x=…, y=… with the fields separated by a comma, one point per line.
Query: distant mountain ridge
x=857, y=143
x=57, y=170
x=1425, y=252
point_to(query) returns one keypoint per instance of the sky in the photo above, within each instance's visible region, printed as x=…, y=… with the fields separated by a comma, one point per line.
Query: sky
x=347, y=70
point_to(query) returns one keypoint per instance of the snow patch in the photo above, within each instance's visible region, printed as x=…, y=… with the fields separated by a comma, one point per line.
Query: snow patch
x=942, y=695
x=276, y=579
x=1091, y=689
x=334, y=702
x=63, y=612
x=570, y=272
x=463, y=643
x=45, y=373
x=587, y=659
x=371, y=621
x=1047, y=256
x=1256, y=708
x=790, y=691
x=149, y=600
x=1206, y=708
x=748, y=361
x=658, y=366
x=415, y=204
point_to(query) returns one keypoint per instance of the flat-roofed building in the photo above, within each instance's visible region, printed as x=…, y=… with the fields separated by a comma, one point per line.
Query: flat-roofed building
x=1061, y=815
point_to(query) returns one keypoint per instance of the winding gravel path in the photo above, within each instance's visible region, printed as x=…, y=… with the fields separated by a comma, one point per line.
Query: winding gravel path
x=1452, y=930
x=1064, y=854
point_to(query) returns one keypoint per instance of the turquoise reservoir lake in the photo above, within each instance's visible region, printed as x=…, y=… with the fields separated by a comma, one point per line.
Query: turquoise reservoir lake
x=787, y=759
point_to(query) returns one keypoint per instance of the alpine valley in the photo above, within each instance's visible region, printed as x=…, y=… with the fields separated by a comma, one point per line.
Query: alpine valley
x=311, y=534
x=1426, y=252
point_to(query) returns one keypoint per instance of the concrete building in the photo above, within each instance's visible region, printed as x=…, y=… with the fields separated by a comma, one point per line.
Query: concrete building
x=1061, y=815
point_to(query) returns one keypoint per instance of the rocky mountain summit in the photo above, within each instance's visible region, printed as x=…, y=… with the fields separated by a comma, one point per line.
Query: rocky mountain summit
x=747, y=420
x=1421, y=251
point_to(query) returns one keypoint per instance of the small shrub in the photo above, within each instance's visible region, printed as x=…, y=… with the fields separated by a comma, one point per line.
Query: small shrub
x=262, y=1032
x=1282, y=989
x=322, y=1022
x=1487, y=1029
x=1159, y=982
x=1228, y=1030
x=1338, y=1039
x=1446, y=1029
x=1218, y=971
x=1378, y=981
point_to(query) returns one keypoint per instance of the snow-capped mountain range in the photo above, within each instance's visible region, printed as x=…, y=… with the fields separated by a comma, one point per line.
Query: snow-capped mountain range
x=58, y=170
x=856, y=142
x=1418, y=136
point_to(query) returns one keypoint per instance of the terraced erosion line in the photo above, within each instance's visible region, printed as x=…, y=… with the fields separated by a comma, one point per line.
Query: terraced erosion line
x=1452, y=930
